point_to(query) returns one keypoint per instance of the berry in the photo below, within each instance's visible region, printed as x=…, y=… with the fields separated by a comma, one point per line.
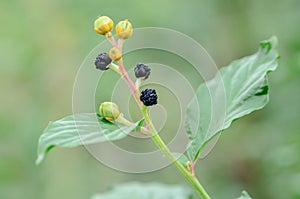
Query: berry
x=142, y=71
x=148, y=97
x=102, y=61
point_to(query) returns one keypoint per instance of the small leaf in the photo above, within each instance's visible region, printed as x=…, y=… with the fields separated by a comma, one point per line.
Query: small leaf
x=244, y=195
x=139, y=125
x=237, y=90
x=137, y=190
x=79, y=129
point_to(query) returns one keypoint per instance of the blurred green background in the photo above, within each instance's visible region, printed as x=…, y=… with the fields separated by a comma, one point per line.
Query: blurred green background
x=43, y=43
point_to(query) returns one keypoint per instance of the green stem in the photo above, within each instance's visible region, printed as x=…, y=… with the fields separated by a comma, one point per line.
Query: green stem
x=191, y=178
x=115, y=68
x=138, y=84
x=122, y=120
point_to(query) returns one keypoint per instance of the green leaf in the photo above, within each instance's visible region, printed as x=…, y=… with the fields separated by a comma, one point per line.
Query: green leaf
x=235, y=91
x=80, y=129
x=139, y=125
x=244, y=195
x=137, y=190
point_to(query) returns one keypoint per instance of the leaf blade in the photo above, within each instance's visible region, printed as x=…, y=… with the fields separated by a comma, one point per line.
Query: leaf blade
x=79, y=129
x=242, y=85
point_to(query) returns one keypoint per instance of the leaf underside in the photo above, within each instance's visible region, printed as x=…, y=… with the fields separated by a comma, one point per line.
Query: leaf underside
x=137, y=190
x=236, y=91
x=80, y=129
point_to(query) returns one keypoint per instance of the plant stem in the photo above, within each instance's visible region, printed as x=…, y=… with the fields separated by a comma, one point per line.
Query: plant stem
x=111, y=39
x=122, y=120
x=129, y=82
x=190, y=177
x=115, y=68
x=127, y=79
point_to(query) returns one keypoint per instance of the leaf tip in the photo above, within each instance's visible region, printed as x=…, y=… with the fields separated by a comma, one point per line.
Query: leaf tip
x=244, y=195
x=269, y=43
x=278, y=57
x=39, y=160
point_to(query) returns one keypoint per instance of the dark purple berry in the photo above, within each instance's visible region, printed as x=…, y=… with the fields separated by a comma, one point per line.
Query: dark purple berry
x=142, y=70
x=148, y=97
x=102, y=61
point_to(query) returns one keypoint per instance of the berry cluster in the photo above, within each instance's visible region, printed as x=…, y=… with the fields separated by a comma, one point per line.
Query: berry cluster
x=104, y=25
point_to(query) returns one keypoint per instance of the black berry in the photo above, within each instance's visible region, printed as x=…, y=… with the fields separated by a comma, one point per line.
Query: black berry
x=148, y=97
x=142, y=70
x=102, y=61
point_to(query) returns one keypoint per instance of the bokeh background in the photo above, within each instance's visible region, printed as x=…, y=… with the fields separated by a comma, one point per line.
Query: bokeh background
x=43, y=43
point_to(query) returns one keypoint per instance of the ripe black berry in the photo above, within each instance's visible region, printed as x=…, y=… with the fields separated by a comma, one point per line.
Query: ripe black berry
x=102, y=61
x=142, y=70
x=148, y=97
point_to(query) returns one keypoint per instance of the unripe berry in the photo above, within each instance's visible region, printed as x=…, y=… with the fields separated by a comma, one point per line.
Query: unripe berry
x=115, y=54
x=124, y=29
x=142, y=71
x=102, y=61
x=109, y=111
x=148, y=97
x=103, y=25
